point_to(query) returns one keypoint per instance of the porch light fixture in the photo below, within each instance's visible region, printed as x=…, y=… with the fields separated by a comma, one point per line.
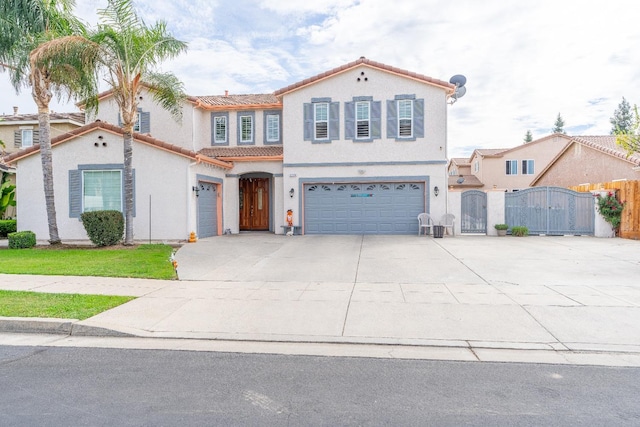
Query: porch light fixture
x=291, y=193
x=196, y=190
x=436, y=191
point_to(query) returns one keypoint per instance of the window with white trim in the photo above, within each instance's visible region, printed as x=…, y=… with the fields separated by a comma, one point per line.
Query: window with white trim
x=511, y=167
x=405, y=118
x=246, y=128
x=220, y=129
x=363, y=119
x=528, y=167
x=321, y=120
x=136, y=125
x=101, y=190
x=273, y=127
x=476, y=166
x=27, y=137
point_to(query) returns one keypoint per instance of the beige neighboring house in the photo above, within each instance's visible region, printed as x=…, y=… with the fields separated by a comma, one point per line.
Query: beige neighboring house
x=508, y=169
x=358, y=149
x=589, y=160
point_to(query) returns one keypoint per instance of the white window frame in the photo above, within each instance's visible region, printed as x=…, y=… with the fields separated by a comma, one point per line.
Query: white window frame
x=137, y=124
x=363, y=121
x=528, y=167
x=320, y=121
x=102, y=207
x=273, y=128
x=222, y=121
x=404, y=118
x=476, y=166
x=23, y=133
x=512, y=168
x=246, y=129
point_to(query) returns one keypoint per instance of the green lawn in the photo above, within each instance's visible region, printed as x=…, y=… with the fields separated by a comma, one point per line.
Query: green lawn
x=144, y=261
x=63, y=306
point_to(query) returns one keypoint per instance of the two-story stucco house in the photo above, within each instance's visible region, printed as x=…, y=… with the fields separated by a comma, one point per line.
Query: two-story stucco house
x=359, y=149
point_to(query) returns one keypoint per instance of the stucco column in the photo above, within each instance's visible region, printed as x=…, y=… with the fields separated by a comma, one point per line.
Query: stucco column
x=231, y=204
x=601, y=227
x=455, y=207
x=495, y=210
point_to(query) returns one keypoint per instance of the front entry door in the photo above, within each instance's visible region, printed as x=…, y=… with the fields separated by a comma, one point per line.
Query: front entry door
x=254, y=203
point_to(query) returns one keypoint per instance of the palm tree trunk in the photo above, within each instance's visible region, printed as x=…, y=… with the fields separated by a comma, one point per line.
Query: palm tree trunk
x=128, y=188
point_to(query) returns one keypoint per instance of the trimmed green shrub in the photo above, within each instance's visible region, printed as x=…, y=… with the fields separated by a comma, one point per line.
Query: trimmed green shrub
x=519, y=231
x=8, y=226
x=104, y=228
x=22, y=240
x=501, y=227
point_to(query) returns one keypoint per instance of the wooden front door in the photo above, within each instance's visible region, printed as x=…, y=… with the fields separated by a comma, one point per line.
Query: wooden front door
x=254, y=203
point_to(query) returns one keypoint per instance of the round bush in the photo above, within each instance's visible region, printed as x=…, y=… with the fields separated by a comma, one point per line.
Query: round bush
x=104, y=228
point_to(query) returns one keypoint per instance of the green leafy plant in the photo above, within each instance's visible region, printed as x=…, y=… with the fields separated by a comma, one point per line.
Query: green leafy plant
x=519, y=231
x=610, y=208
x=7, y=194
x=22, y=240
x=8, y=226
x=104, y=228
x=501, y=227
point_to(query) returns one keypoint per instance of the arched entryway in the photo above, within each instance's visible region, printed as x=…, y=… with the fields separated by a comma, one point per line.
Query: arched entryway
x=255, y=196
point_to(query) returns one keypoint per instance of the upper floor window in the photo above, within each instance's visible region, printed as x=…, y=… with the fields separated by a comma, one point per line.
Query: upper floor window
x=363, y=117
x=528, y=167
x=476, y=166
x=27, y=137
x=453, y=172
x=220, y=128
x=273, y=128
x=246, y=127
x=321, y=119
x=136, y=125
x=405, y=118
x=511, y=167
x=142, y=123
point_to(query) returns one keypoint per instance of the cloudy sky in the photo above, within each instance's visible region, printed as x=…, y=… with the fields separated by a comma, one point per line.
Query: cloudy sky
x=524, y=63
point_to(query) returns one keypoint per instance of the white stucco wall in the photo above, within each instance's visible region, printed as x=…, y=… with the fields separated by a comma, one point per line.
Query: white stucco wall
x=160, y=188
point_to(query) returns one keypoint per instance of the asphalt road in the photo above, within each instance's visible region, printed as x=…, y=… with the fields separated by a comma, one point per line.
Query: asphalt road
x=96, y=387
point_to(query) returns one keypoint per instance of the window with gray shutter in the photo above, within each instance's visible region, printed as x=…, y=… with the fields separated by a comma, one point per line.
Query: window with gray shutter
x=97, y=187
x=219, y=128
x=321, y=120
x=405, y=118
x=246, y=130
x=272, y=127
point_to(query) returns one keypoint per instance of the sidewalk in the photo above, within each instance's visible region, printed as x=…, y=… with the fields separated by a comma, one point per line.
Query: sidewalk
x=548, y=299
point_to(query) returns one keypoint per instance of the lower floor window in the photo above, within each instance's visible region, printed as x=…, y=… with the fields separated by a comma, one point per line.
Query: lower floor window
x=101, y=190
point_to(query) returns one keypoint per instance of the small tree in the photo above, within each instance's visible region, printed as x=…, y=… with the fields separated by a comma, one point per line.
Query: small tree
x=528, y=137
x=558, y=126
x=630, y=139
x=622, y=119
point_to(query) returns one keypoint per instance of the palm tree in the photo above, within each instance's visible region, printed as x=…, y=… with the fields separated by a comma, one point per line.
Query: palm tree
x=130, y=51
x=24, y=26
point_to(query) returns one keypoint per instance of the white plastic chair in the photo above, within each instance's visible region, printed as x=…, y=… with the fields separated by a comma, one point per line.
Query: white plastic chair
x=424, y=221
x=448, y=221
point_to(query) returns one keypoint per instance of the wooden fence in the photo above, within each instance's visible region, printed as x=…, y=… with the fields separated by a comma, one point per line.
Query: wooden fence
x=627, y=192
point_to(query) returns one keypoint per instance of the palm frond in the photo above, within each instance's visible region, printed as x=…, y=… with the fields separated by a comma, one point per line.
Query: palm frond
x=168, y=91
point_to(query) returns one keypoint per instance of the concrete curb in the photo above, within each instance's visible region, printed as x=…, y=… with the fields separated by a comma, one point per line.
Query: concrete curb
x=55, y=326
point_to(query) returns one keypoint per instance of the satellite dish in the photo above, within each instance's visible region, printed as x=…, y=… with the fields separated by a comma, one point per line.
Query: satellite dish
x=459, y=80
x=460, y=91
x=460, y=180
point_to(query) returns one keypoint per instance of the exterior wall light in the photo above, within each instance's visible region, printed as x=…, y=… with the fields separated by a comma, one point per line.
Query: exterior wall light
x=196, y=190
x=291, y=193
x=436, y=191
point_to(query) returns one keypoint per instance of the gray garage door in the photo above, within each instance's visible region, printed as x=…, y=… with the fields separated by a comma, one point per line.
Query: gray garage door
x=207, y=210
x=369, y=208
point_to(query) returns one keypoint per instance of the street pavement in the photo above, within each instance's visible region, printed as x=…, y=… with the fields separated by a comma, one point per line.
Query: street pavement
x=532, y=299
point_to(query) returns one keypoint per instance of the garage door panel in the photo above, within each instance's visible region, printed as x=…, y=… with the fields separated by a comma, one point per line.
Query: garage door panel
x=207, y=210
x=371, y=208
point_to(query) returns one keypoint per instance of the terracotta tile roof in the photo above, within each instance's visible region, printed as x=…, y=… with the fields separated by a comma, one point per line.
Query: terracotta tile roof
x=373, y=64
x=607, y=144
x=53, y=117
x=233, y=100
x=5, y=167
x=235, y=152
x=145, y=139
x=460, y=161
x=468, y=181
x=490, y=151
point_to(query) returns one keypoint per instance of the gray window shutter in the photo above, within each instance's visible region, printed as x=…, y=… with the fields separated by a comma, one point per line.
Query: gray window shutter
x=349, y=120
x=334, y=120
x=392, y=119
x=36, y=136
x=308, y=122
x=376, y=117
x=75, y=193
x=418, y=118
x=119, y=120
x=145, y=121
x=17, y=139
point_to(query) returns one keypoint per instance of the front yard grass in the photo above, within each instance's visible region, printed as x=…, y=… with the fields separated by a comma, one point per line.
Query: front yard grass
x=63, y=306
x=144, y=261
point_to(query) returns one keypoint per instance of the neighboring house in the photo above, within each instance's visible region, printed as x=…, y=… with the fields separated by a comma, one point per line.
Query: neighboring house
x=506, y=169
x=359, y=149
x=589, y=159
x=21, y=130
